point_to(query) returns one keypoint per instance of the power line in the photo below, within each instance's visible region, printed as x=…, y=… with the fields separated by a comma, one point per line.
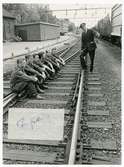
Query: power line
x=65, y=10
x=84, y=18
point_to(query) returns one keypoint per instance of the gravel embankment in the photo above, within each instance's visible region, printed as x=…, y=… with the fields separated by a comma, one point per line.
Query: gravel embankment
x=108, y=63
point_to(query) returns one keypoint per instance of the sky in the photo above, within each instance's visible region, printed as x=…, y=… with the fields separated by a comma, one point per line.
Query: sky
x=90, y=17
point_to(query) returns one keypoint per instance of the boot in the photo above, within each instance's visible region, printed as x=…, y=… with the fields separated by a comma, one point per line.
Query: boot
x=39, y=89
x=37, y=97
x=44, y=87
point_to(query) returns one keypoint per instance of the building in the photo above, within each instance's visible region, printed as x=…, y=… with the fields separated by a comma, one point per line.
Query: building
x=37, y=31
x=8, y=25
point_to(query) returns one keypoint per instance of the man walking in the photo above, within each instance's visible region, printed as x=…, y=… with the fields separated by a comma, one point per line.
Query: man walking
x=88, y=45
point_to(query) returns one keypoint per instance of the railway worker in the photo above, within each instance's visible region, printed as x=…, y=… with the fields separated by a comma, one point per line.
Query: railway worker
x=20, y=81
x=51, y=59
x=30, y=62
x=88, y=45
x=48, y=66
x=31, y=69
x=42, y=58
x=45, y=68
x=58, y=58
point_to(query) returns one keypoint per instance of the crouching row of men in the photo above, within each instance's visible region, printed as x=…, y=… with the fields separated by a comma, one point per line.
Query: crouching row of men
x=31, y=73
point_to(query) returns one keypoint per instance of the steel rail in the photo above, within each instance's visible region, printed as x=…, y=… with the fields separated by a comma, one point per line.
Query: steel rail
x=9, y=99
x=34, y=51
x=76, y=90
x=76, y=123
x=8, y=96
x=68, y=49
x=63, y=50
x=72, y=55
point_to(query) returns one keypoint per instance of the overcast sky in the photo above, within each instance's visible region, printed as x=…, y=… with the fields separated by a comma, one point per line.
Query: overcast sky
x=89, y=16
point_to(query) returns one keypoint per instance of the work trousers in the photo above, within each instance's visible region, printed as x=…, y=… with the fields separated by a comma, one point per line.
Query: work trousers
x=29, y=88
x=83, y=55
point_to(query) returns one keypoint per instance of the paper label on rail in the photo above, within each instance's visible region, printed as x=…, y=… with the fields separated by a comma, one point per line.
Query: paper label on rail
x=36, y=124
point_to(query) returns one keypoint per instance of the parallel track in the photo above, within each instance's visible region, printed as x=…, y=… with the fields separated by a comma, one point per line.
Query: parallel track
x=96, y=142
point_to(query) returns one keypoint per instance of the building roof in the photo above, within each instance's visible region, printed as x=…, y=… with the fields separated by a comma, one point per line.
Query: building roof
x=34, y=23
x=7, y=14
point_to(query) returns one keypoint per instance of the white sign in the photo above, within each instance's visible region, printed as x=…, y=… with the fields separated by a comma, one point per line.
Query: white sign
x=36, y=124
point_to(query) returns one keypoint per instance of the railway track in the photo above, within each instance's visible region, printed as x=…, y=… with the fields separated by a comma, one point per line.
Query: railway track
x=60, y=52
x=88, y=135
x=96, y=140
x=61, y=93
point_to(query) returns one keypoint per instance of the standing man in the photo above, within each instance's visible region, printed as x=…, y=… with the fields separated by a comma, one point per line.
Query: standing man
x=88, y=45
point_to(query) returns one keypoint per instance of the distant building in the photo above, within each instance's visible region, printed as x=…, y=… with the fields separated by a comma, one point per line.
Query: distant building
x=37, y=31
x=8, y=25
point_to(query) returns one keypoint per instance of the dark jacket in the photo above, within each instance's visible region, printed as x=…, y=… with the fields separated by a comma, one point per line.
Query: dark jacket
x=87, y=38
x=52, y=60
x=32, y=69
x=43, y=66
x=38, y=63
x=19, y=80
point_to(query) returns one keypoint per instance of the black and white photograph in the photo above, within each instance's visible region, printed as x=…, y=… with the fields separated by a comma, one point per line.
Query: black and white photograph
x=61, y=83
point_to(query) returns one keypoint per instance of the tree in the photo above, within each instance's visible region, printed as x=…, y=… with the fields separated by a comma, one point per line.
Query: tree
x=71, y=27
x=26, y=13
